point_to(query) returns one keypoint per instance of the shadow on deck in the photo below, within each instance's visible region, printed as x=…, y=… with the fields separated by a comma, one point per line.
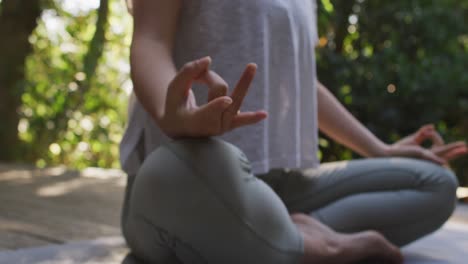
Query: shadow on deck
x=53, y=206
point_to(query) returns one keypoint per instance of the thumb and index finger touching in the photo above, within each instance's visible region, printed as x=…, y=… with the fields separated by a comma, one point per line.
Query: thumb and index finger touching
x=428, y=132
x=439, y=147
x=199, y=71
x=189, y=73
x=219, y=104
x=231, y=117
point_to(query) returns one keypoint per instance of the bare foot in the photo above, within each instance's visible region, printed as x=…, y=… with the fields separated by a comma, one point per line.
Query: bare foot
x=323, y=245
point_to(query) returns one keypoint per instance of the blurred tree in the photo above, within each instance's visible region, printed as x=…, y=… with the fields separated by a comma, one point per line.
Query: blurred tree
x=73, y=110
x=397, y=65
x=72, y=100
x=18, y=19
x=62, y=69
x=63, y=63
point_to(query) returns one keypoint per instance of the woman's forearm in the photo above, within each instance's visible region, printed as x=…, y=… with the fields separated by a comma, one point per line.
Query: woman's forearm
x=339, y=124
x=152, y=66
x=152, y=70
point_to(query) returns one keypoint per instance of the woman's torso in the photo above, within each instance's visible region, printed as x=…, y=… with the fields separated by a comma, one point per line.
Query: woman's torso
x=278, y=35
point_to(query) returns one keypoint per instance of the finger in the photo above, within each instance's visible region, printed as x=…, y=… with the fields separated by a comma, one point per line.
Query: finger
x=238, y=95
x=429, y=126
x=435, y=137
x=428, y=155
x=247, y=118
x=242, y=87
x=190, y=71
x=441, y=150
x=208, y=117
x=421, y=134
x=418, y=152
x=217, y=87
x=428, y=134
x=216, y=107
x=455, y=153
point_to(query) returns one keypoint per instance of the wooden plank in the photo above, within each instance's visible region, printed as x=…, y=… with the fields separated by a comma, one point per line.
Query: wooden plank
x=52, y=206
x=55, y=205
x=89, y=209
x=106, y=250
x=11, y=240
x=61, y=227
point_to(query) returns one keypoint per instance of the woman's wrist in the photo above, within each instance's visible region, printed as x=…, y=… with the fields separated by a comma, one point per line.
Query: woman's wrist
x=381, y=150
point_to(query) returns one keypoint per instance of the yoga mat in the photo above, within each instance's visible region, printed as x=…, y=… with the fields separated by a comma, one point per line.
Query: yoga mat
x=446, y=246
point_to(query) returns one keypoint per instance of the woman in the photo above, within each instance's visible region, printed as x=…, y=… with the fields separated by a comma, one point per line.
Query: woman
x=199, y=200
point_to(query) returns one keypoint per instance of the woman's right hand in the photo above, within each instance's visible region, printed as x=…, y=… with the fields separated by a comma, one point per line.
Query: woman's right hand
x=184, y=118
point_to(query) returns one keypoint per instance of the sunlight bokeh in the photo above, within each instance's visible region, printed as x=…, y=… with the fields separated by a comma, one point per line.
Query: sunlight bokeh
x=76, y=7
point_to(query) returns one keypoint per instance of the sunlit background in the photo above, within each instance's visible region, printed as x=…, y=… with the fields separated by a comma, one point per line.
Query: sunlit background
x=395, y=64
x=73, y=105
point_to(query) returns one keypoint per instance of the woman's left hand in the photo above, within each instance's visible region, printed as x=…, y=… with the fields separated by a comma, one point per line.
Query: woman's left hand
x=440, y=152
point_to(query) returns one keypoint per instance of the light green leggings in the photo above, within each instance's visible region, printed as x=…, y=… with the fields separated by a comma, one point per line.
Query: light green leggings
x=196, y=201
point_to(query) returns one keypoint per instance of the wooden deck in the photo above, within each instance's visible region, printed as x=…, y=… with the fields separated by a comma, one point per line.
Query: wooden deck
x=53, y=206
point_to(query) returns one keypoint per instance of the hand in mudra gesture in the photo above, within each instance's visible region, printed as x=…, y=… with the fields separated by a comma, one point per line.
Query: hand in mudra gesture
x=184, y=118
x=440, y=152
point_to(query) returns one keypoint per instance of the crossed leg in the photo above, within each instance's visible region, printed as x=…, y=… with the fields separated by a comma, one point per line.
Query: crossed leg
x=197, y=202
x=401, y=199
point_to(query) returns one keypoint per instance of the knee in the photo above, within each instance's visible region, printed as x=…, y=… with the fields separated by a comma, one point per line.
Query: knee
x=446, y=191
x=448, y=183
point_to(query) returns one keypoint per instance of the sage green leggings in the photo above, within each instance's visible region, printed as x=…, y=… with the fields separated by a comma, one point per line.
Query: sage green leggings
x=196, y=201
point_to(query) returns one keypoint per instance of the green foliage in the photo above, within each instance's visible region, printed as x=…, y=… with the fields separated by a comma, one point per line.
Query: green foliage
x=399, y=65
x=395, y=64
x=73, y=112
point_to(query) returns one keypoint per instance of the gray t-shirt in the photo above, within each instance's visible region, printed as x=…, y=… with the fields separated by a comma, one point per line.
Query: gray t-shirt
x=280, y=37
